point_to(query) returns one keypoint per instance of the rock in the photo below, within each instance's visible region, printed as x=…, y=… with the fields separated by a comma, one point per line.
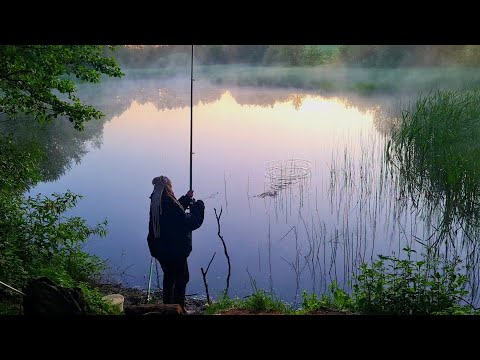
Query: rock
x=115, y=299
x=154, y=309
x=44, y=297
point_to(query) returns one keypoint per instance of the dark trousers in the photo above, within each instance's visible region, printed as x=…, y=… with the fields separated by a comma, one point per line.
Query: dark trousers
x=175, y=279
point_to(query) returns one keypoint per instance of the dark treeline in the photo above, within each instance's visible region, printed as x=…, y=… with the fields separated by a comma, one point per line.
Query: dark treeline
x=409, y=55
x=164, y=55
x=301, y=55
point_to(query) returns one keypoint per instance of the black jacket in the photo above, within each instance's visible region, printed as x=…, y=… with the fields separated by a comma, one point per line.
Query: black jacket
x=176, y=226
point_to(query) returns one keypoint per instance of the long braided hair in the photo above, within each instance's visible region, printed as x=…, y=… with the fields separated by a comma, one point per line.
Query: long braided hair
x=160, y=184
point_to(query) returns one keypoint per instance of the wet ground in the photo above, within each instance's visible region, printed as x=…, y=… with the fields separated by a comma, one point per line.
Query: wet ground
x=195, y=305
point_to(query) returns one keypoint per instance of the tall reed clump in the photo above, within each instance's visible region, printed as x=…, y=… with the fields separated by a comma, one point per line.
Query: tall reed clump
x=436, y=148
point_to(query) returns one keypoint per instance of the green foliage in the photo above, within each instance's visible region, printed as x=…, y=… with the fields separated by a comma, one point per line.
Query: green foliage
x=283, y=55
x=409, y=55
x=391, y=285
x=336, y=299
x=179, y=55
x=18, y=166
x=19, y=172
x=223, y=303
x=142, y=56
x=36, y=238
x=311, y=302
x=313, y=55
x=259, y=301
x=471, y=55
x=10, y=309
x=37, y=80
x=382, y=56
x=458, y=310
x=95, y=304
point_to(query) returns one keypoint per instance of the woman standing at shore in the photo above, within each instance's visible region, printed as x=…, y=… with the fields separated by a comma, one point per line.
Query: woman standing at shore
x=170, y=236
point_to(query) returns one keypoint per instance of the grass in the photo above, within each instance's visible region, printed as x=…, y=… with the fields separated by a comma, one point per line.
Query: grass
x=437, y=152
x=259, y=302
x=95, y=304
x=336, y=300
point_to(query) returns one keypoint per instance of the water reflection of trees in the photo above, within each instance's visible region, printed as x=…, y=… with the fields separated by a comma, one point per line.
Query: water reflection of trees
x=61, y=144
x=297, y=100
x=64, y=146
x=171, y=94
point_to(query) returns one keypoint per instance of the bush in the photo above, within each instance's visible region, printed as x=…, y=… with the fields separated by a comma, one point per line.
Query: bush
x=36, y=238
x=394, y=286
x=391, y=285
x=336, y=299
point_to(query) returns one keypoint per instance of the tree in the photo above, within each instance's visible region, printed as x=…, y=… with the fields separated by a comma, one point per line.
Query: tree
x=37, y=80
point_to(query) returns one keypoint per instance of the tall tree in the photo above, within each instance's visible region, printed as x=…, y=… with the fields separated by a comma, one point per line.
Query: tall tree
x=37, y=80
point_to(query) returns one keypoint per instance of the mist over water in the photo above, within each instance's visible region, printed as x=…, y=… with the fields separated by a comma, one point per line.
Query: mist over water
x=299, y=173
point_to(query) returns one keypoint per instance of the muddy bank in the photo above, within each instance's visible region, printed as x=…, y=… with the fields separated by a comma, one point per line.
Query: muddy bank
x=135, y=296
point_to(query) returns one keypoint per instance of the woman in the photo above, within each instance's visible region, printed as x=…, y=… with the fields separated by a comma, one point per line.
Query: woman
x=170, y=236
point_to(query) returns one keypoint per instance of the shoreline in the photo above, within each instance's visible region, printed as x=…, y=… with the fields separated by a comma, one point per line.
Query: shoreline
x=135, y=296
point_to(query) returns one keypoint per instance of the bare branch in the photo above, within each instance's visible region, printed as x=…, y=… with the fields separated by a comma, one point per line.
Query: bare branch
x=224, y=248
x=204, y=274
x=288, y=232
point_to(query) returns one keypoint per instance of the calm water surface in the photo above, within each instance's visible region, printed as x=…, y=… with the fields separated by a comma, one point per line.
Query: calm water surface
x=298, y=176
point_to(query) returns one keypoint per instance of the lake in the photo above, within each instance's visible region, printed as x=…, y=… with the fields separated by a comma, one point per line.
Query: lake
x=299, y=174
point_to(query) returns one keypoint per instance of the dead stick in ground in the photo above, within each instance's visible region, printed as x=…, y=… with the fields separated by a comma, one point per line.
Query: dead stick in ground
x=224, y=248
x=204, y=274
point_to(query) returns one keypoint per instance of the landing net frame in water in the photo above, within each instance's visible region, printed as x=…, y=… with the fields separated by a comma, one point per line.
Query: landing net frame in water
x=285, y=181
x=281, y=174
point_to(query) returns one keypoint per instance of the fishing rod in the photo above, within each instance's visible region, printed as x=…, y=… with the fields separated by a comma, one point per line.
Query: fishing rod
x=191, y=119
